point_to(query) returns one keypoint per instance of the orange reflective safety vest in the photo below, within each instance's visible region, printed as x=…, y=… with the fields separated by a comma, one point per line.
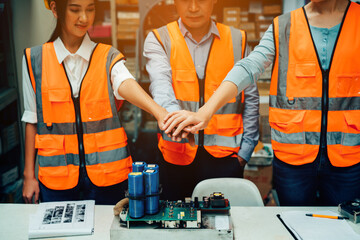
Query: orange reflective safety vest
x=223, y=135
x=308, y=103
x=74, y=132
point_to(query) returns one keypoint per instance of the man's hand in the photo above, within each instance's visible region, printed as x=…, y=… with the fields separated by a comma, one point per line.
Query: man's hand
x=183, y=120
x=241, y=161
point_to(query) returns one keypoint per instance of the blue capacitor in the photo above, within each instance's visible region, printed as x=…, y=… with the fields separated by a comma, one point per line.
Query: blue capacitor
x=154, y=167
x=138, y=166
x=136, y=194
x=151, y=166
x=151, y=179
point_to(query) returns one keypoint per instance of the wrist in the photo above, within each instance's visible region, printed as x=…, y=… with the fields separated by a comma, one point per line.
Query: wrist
x=29, y=174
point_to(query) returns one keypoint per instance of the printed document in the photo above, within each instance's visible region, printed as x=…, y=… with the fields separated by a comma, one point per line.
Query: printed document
x=55, y=219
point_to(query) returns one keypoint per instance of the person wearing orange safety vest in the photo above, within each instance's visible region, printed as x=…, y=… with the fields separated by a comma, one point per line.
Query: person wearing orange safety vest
x=71, y=115
x=186, y=61
x=314, y=101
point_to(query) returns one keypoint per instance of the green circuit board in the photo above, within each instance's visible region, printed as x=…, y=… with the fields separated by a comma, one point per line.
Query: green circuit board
x=178, y=211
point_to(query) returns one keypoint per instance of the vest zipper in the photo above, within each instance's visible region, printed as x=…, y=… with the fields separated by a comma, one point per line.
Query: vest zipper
x=325, y=108
x=79, y=130
x=201, y=103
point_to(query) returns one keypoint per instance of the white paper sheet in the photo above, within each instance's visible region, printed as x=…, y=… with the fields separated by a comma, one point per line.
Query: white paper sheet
x=316, y=228
x=54, y=219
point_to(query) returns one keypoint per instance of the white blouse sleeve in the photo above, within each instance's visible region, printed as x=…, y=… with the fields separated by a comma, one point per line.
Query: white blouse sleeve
x=29, y=115
x=119, y=74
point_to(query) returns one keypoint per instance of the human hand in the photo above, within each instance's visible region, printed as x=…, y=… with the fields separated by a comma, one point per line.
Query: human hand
x=31, y=189
x=185, y=121
x=241, y=161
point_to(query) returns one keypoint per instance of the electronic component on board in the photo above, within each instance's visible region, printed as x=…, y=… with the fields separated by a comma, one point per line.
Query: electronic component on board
x=151, y=180
x=138, y=166
x=351, y=209
x=136, y=195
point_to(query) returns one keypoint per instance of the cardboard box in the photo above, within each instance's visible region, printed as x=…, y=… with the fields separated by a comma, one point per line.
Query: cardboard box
x=248, y=26
x=261, y=176
x=251, y=35
x=126, y=35
x=255, y=7
x=232, y=11
x=272, y=9
x=264, y=88
x=232, y=21
x=263, y=26
x=262, y=18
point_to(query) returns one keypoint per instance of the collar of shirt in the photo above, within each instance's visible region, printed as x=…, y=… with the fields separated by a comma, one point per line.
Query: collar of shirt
x=212, y=31
x=84, y=50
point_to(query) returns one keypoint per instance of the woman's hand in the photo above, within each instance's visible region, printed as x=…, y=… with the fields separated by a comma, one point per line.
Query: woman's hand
x=31, y=189
x=185, y=121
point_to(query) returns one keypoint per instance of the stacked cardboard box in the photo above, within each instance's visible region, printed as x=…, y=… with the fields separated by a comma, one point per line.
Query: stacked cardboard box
x=128, y=23
x=232, y=16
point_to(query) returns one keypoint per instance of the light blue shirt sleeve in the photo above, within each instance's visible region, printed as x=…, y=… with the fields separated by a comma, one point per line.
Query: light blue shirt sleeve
x=248, y=70
x=160, y=74
x=250, y=122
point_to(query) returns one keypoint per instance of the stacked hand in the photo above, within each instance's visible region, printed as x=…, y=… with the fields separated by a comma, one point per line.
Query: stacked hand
x=184, y=124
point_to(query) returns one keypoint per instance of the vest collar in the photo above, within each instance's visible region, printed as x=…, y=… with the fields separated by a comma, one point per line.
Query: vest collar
x=84, y=50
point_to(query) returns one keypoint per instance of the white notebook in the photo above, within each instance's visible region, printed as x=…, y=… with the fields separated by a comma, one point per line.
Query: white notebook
x=55, y=219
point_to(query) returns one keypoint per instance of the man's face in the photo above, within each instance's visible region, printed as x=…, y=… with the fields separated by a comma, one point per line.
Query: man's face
x=195, y=14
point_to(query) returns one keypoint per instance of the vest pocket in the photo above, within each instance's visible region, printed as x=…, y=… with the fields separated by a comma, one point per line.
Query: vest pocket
x=111, y=147
x=305, y=84
x=61, y=105
x=184, y=82
x=229, y=124
x=287, y=128
x=350, y=137
x=51, y=155
x=98, y=110
x=348, y=85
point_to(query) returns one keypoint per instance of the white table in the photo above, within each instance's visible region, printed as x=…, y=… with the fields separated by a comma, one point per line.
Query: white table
x=249, y=222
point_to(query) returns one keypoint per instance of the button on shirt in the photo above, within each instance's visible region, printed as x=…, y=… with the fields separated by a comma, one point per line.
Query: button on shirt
x=159, y=69
x=76, y=66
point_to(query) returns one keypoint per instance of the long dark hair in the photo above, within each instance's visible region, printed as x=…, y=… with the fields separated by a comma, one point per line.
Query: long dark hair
x=60, y=10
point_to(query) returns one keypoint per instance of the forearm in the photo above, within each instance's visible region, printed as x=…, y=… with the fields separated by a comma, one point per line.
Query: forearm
x=135, y=94
x=225, y=92
x=248, y=70
x=30, y=151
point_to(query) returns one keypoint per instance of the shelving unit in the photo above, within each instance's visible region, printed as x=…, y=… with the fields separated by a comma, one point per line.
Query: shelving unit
x=11, y=143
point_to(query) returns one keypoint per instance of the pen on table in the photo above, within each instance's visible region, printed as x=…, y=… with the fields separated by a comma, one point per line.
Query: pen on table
x=325, y=216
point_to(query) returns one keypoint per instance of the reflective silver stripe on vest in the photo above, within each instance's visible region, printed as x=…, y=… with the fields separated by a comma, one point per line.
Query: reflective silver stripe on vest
x=213, y=140
x=236, y=36
x=36, y=64
x=165, y=40
x=113, y=53
x=284, y=36
x=230, y=108
x=90, y=159
x=88, y=127
x=308, y=103
x=313, y=138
